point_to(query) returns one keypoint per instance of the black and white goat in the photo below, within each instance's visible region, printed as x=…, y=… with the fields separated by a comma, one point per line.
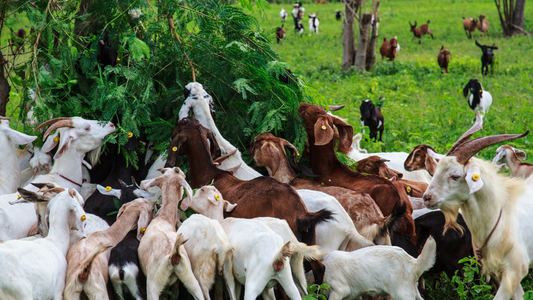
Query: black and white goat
x=371, y=116
x=338, y=15
x=480, y=100
x=487, y=58
x=313, y=23
x=299, y=28
x=297, y=14
x=283, y=14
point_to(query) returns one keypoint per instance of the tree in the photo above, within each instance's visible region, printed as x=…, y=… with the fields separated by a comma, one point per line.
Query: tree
x=511, y=14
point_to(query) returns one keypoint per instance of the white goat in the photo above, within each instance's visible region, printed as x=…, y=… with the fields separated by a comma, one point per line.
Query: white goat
x=259, y=260
x=313, y=24
x=36, y=269
x=162, y=256
x=497, y=209
x=511, y=157
x=283, y=14
x=10, y=177
x=75, y=138
x=340, y=234
x=377, y=270
x=39, y=163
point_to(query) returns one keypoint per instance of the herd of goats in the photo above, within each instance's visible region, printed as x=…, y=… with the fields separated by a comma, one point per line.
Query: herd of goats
x=390, y=48
x=375, y=231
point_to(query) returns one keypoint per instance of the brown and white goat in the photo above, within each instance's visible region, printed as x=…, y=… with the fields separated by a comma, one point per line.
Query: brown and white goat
x=259, y=197
x=269, y=151
x=483, y=26
x=389, y=48
x=322, y=138
x=469, y=24
x=280, y=33
x=420, y=31
x=512, y=158
x=443, y=58
x=88, y=270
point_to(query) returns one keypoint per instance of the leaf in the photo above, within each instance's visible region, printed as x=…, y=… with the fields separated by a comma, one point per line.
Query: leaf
x=138, y=49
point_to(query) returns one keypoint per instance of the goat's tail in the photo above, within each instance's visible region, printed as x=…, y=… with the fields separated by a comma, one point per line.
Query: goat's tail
x=85, y=268
x=426, y=259
x=175, y=254
x=308, y=223
x=357, y=241
x=279, y=259
x=308, y=252
x=392, y=221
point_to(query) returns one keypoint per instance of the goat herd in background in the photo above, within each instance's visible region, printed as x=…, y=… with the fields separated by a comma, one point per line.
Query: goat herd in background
x=61, y=235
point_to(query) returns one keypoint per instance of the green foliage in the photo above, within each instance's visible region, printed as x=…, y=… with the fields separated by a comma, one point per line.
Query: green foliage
x=316, y=292
x=472, y=285
x=117, y=204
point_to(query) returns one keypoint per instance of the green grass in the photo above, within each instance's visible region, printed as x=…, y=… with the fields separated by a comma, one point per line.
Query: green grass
x=422, y=105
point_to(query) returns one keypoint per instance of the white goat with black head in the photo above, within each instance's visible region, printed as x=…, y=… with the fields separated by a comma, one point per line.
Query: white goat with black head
x=76, y=136
x=313, y=23
x=497, y=209
x=480, y=100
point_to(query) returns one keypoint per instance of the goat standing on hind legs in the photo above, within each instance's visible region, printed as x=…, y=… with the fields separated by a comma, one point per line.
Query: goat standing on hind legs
x=420, y=31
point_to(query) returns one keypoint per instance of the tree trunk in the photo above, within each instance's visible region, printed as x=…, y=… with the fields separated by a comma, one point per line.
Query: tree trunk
x=348, y=46
x=4, y=87
x=511, y=16
x=518, y=14
x=362, y=44
x=371, y=49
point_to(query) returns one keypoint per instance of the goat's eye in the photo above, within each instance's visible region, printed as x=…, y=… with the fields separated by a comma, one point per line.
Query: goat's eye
x=88, y=127
x=455, y=177
x=367, y=165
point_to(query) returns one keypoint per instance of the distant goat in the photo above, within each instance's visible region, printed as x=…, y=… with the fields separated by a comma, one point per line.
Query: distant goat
x=469, y=24
x=283, y=14
x=480, y=100
x=338, y=15
x=487, y=58
x=389, y=48
x=420, y=31
x=511, y=157
x=299, y=28
x=444, y=58
x=280, y=33
x=371, y=116
x=483, y=25
x=313, y=23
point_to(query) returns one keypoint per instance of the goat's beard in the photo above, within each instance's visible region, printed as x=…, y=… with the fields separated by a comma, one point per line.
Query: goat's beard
x=94, y=155
x=451, y=211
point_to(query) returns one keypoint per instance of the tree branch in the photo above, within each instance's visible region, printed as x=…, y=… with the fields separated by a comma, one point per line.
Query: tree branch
x=173, y=29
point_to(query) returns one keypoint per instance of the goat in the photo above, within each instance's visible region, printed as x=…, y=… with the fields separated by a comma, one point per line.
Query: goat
x=483, y=25
x=259, y=260
x=487, y=58
x=351, y=274
x=10, y=178
x=107, y=55
x=356, y=144
x=87, y=271
x=469, y=24
x=162, y=255
x=480, y=100
x=338, y=15
x=299, y=29
x=420, y=31
x=371, y=116
x=511, y=157
x=283, y=14
x=324, y=161
x=389, y=48
x=209, y=251
x=35, y=269
x=313, y=23
x=260, y=197
x=496, y=208
x=420, y=159
x=39, y=163
x=280, y=33
x=76, y=136
x=269, y=151
x=443, y=58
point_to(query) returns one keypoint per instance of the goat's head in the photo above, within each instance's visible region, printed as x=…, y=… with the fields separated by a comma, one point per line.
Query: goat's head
x=368, y=110
x=196, y=96
x=171, y=177
x=375, y=165
x=413, y=27
x=76, y=133
x=209, y=202
x=394, y=42
x=420, y=159
x=126, y=193
x=142, y=208
x=481, y=18
x=268, y=150
x=320, y=124
x=504, y=152
x=189, y=130
x=474, y=86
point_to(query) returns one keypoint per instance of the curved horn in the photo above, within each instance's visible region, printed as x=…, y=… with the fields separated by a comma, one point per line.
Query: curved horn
x=335, y=107
x=475, y=128
x=50, y=122
x=4, y=118
x=465, y=151
x=57, y=125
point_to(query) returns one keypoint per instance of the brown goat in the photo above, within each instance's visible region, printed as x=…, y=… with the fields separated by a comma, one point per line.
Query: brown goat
x=269, y=151
x=259, y=197
x=469, y=24
x=280, y=33
x=444, y=58
x=483, y=25
x=375, y=165
x=388, y=48
x=322, y=138
x=420, y=31
x=512, y=158
x=419, y=159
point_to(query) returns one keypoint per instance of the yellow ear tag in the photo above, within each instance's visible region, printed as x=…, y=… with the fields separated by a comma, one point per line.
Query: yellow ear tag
x=174, y=149
x=475, y=177
x=408, y=189
x=143, y=229
x=481, y=91
x=130, y=135
x=107, y=188
x=217, y=196
x=19, y=196
x=118, y=59
x=297, y=154
x=83, y=218
x=323, y=127
x=56, y=139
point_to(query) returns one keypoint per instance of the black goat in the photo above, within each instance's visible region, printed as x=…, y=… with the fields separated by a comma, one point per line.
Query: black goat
x=338, y=15
x=125, y=269
x=371, y=116
x=487, y=58
x=107, y=54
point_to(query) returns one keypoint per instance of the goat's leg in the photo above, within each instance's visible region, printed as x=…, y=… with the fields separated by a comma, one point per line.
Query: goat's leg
x=286, y=281
x=268, y=294
x=153, y=288
x=510, y=283
x=519, y=294
x=253, y=288
x=318, y=271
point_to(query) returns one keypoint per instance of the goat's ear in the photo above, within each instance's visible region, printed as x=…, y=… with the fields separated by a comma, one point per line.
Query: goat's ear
x=345, y=133
x=293, y=155
x=174, y=150
x=51, y=142
x=109, y=191
x=271, y=156
x=80, y=218
x=68, y=137
x=473, y=178
x=187, y=201
x=27, y=197
x=143, y=221
x=477, y=44
x=323, y=132
x=466, y=89
x=229, y=207
x=307, y=172
x=431, y=164
x=520, y=154
x=373, y=113
x=19, y=138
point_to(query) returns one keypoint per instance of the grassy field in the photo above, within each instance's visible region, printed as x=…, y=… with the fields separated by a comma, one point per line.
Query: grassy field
x=422, y=105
